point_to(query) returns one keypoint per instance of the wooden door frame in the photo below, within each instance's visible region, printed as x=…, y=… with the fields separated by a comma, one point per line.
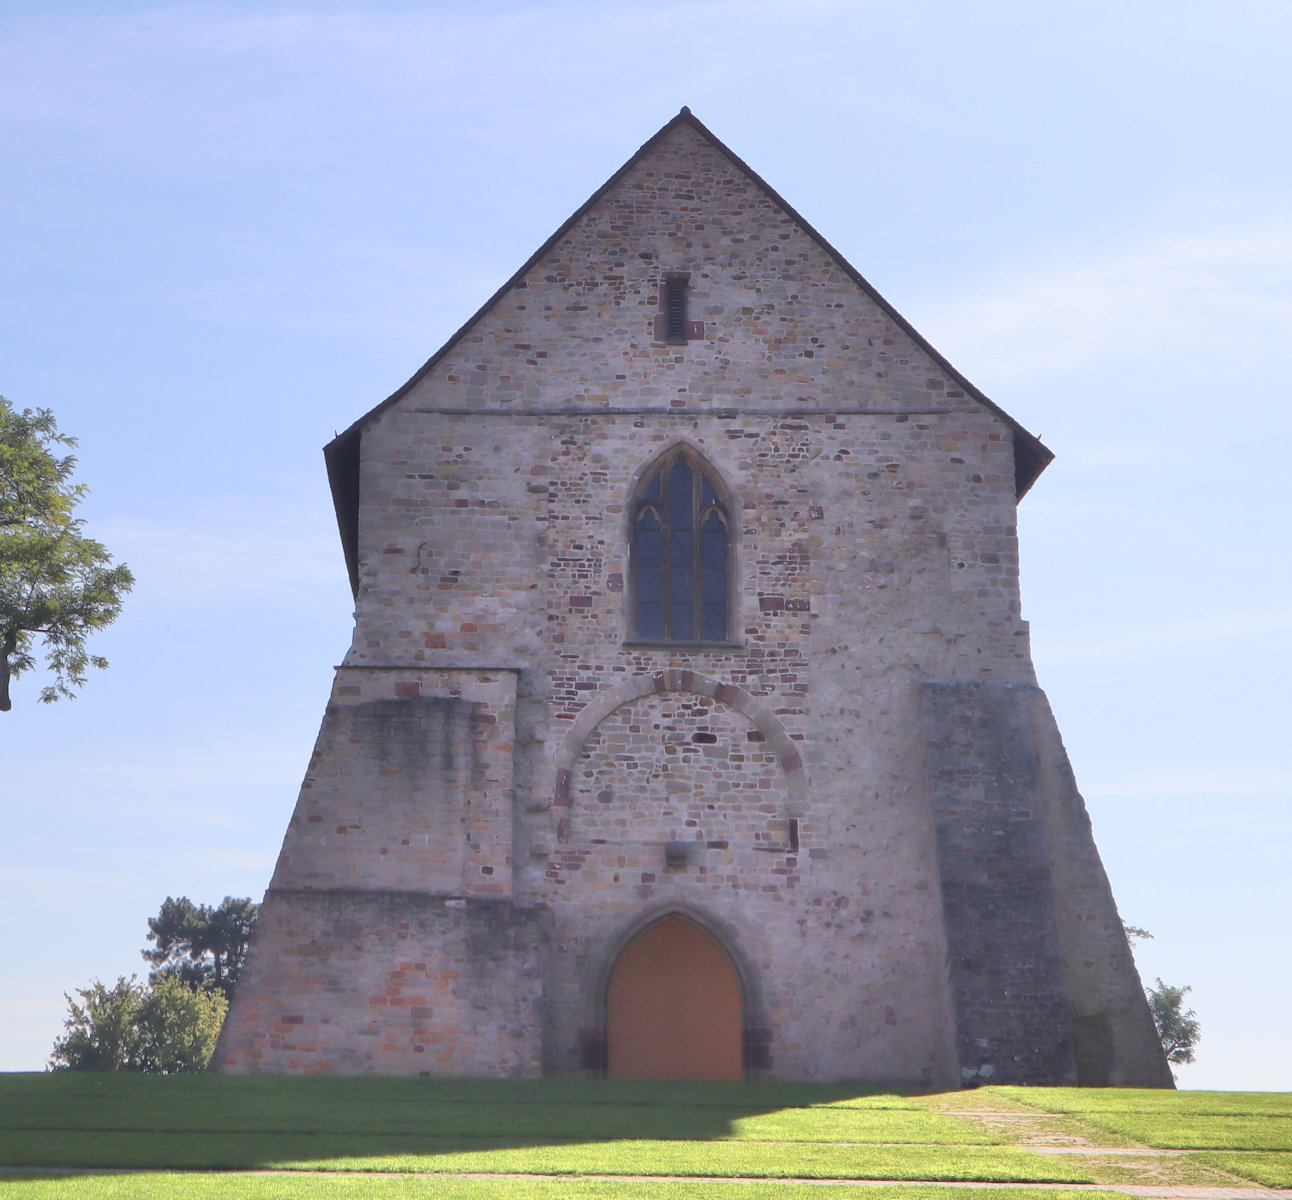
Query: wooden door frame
x=755, y=1033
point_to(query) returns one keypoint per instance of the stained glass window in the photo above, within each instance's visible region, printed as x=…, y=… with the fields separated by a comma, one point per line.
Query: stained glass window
x=680, y=553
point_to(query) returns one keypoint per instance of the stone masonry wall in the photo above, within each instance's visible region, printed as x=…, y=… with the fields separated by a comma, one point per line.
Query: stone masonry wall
x=1043, y=980
x=874, y=545
x=815, y=923
x=351, y=982
x=492, y=490
x=408, y=789
x=1007, y=970
x=873, y=549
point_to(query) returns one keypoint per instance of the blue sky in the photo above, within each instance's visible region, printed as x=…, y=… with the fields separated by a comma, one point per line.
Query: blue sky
x=230, y=229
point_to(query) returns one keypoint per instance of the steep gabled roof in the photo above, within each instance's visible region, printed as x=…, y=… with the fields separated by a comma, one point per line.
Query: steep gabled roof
x=1031, y=455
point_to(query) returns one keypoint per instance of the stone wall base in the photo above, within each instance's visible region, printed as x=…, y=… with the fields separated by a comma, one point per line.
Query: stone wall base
x=392, y=983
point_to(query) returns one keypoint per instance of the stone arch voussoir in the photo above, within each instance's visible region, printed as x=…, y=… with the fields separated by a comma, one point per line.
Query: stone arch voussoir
x=644, y=469
x=681, y=680
x=722, y=932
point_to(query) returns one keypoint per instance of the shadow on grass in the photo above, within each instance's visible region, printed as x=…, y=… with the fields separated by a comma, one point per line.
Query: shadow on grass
x=558, y=1127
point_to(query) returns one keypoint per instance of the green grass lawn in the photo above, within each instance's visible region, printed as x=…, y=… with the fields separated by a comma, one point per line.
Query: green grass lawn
x=1149, y=1100
x=1173, y=1120
x=398, y=1138
x=439, y=1110
x=531, y=1127
x=403, y=1187
x=1199, y=1132
x=335, y=1152
x=1269, y=1169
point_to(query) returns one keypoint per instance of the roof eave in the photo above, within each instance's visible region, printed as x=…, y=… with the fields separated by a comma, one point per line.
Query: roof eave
x=342, y=458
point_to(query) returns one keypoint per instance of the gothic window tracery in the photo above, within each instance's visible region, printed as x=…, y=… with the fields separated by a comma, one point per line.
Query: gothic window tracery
x=680, y=553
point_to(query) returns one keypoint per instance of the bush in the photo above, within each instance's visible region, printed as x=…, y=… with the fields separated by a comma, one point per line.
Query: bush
x=166, y=1029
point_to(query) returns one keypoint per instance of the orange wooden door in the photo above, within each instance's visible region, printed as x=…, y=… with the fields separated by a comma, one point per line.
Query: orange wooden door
x=674, y=1007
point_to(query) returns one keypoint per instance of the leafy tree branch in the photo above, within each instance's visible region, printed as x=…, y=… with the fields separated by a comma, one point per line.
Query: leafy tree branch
x=56, y=585
x=163, y=1030
x=201, y=946
x=171, y=1024
x=1178, y=1028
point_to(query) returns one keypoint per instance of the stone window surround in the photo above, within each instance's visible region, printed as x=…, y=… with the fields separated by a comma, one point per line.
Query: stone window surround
x=701, y=465
x=675, y=287
x=756, y=1032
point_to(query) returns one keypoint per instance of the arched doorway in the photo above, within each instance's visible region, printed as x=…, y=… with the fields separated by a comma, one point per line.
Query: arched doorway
x=673, y=1007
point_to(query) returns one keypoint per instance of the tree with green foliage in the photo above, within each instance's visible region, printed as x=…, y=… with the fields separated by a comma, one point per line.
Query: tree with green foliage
x=1177, y=1029
x=1177, y=1026
x=201, y=946
x=55, y=583
x=165, y=1030
x=179, y=1027
x=103, y=1030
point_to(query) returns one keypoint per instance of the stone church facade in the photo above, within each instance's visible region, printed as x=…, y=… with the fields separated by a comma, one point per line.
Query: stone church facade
x=689, y=727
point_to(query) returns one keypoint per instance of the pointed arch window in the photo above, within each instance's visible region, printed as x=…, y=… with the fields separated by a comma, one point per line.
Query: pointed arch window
x=681, y=547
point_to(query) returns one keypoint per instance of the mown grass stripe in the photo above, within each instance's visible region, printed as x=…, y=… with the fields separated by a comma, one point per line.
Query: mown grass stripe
x=1268, y=1168
x=447, y=1143
x=393, y=1090
x=1142, y=1101
x=624, y=1157
x=569, y=1133
x=278, y=1187
x=391, y=1108
x=604, y=1122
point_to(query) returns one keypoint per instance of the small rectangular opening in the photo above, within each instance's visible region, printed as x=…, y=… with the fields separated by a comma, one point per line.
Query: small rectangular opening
x=675, y=310
x=794, y=833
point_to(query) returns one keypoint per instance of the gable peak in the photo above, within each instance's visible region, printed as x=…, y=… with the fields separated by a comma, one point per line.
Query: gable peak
x=1032, y=456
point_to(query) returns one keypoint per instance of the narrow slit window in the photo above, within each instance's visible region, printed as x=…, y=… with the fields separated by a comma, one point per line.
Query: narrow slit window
x=675, y=310
x=680, y=554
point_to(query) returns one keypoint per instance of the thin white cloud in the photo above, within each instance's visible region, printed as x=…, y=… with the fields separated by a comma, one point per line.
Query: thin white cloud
x=1203, y=295
x=147, y=775
x=1117, y=644
x=1114, y=454
x=98, y=69
x=232, y=550
x=33, y=1010
x=62, y=888
x=221, y=861
x=1193, y=782
x=238, y=83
